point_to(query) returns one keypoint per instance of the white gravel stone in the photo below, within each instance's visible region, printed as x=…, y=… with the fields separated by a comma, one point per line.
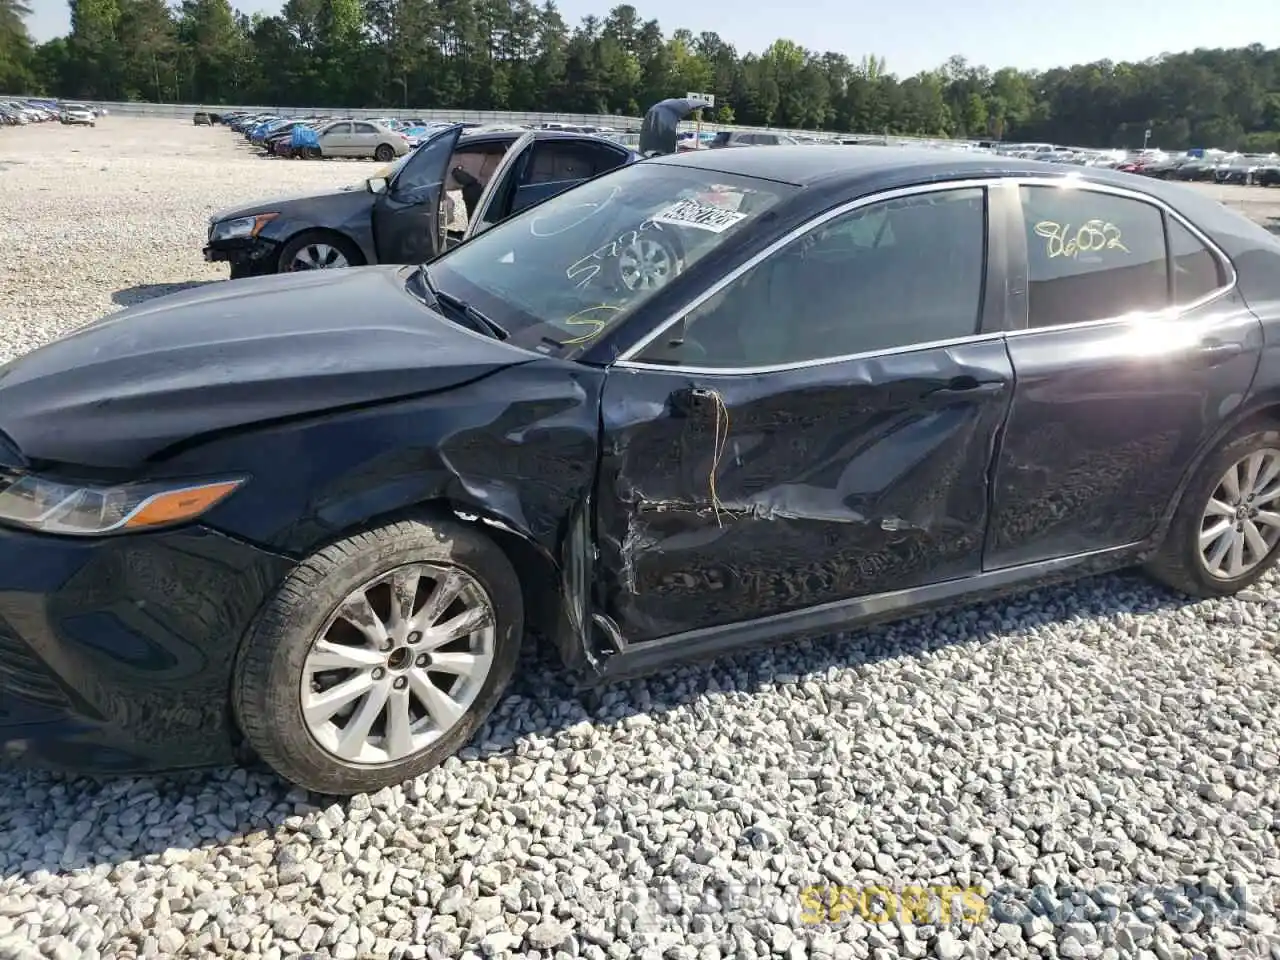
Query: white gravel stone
x=1106, y=740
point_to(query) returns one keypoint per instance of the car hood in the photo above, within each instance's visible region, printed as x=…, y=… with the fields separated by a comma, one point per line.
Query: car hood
x=283, y=205
x=230, y=354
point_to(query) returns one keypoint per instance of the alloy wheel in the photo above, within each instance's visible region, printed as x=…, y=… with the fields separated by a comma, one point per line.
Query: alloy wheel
x=398, y=664
x=645, y=264
x=1240, y=525
x=318, y=256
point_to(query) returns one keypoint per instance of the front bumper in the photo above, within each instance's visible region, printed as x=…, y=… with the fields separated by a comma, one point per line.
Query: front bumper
x=252, y=255
x=116, y=653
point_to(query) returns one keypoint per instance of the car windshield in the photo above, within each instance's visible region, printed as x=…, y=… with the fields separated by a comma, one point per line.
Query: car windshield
x=560, y=273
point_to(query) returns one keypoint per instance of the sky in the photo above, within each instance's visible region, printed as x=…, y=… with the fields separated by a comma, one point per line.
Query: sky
x=922, y=34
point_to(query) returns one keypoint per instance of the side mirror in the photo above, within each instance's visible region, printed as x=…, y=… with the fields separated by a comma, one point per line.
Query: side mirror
x=376, y=184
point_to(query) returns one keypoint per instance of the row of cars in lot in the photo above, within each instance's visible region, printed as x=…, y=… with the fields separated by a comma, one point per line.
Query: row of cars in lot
x=1212, y=166
x=380, y=138
x=1198, y=165
x=17, y=112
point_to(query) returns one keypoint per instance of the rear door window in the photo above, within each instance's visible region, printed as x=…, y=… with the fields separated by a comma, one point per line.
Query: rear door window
x=1092, y=255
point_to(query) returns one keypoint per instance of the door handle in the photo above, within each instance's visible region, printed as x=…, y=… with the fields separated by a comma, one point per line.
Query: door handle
x=1214, y=352
x=967, y=386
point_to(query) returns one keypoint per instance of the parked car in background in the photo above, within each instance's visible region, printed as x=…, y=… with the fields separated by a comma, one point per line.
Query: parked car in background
x=280, y=141
x=24, y=113
x=202, y=119
x=1160, y=168
x=749, y=138
x=414, y=212
x=1196, y=170
x=1268, y=174
x=361, y=139
x=1239, y=169
x=75, y=114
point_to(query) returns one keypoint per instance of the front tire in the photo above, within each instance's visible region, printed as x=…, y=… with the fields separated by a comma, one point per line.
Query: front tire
x=318, y=250
x=380, y=656
x=1226, y=532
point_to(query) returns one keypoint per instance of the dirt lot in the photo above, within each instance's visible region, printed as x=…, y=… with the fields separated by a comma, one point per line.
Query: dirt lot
x=118, y=213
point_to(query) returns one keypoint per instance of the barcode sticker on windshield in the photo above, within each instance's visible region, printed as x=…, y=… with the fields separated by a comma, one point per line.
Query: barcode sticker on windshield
x=691, y=213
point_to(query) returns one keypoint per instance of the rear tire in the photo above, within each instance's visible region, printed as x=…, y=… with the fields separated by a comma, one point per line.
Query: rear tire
x=304, y=653
x=384, y=153
x=1195, y=561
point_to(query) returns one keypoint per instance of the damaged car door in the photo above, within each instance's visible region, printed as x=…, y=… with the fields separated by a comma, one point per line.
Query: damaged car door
x=409, y=222
x=816, y=426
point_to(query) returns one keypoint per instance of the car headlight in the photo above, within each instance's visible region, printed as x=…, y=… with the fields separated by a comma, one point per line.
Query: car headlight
x=241, y=227
x=70, y=509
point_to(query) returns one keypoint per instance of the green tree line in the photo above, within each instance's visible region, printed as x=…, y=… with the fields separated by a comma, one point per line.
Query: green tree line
x=516, y=55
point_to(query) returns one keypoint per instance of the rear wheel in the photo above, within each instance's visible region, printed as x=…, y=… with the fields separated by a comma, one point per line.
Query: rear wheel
x=385, y=153
x=1226, y=532
x=380, y=656
x=315, y=250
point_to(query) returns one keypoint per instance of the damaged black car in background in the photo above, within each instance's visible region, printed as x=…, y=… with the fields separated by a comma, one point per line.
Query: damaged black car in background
x=455, y=184
x=693, y=404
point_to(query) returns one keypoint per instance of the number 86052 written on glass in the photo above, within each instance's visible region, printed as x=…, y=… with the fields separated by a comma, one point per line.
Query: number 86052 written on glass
x=1094, y=236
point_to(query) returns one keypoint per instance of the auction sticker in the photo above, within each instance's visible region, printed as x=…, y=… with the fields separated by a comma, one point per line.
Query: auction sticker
x=691, y=213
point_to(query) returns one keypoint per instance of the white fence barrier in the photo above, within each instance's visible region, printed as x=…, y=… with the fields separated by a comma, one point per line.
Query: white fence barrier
x=184, y=111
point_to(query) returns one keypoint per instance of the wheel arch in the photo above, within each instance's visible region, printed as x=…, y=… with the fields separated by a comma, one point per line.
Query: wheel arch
x=1264, y=409
x=537, y=570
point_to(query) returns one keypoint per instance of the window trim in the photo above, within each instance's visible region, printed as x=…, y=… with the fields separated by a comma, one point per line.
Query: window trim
x=994, y=272
x=1167, y=212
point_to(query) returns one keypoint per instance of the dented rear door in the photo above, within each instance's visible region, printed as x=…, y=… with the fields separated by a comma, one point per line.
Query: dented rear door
x=726, y=498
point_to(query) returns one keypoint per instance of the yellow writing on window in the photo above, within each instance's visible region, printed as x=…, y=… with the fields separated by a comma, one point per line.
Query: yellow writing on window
x=1093, y=237
x=594, y=324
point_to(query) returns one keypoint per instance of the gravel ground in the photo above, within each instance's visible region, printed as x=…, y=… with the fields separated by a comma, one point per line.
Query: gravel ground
x=1103, y=757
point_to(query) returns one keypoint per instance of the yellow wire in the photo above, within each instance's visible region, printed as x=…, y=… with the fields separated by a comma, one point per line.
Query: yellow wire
x=718, y=446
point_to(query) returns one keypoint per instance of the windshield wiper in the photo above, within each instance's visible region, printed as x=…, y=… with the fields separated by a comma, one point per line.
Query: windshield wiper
x=478, y=320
